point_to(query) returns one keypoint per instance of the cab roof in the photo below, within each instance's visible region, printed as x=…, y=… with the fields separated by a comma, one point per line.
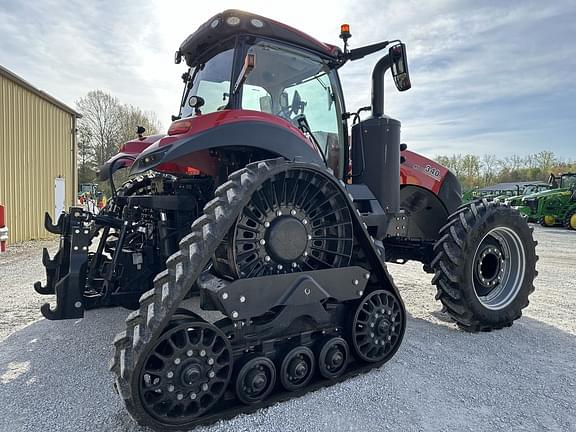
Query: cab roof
x=235, y=22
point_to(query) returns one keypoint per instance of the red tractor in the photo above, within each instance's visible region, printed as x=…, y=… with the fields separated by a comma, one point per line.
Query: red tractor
x=251, y=240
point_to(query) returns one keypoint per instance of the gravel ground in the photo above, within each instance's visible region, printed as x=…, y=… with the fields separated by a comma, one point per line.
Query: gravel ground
x=53, y=375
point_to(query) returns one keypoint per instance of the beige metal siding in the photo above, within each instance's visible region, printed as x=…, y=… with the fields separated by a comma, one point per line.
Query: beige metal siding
x=36, y=145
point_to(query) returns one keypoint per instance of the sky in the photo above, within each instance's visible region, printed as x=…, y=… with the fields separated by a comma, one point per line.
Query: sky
x=487, y=76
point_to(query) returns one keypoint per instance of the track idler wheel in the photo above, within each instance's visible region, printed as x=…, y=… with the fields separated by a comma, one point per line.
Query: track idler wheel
x=185, y=373
x=333, y=358
x=255, y=380
x=377, y=326
x=297, y=368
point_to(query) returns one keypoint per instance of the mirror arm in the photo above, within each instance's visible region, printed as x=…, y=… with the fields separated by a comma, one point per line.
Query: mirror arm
x=362, y=52
x=378, y=85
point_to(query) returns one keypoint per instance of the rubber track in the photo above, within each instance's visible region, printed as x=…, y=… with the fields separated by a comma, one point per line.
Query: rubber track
x=158, y=305
x=448, y=259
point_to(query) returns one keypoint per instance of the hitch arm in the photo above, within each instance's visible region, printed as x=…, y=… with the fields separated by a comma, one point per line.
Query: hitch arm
x=75, y=242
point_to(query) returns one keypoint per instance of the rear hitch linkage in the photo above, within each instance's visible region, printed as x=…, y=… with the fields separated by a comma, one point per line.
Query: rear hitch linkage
x=65, y=273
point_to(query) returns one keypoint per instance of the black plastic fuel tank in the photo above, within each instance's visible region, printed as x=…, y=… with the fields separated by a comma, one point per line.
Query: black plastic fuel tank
x=376, y=159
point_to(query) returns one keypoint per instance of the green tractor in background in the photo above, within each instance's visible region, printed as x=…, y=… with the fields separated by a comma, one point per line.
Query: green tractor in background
x=553, y=207
x=530, y=189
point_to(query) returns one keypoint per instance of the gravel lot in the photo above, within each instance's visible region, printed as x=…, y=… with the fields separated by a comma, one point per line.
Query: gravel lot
x=53, y=375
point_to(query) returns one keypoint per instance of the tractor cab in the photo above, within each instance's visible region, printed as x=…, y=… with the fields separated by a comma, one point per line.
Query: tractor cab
x=256, y=88
x=568, y=181
x=261, y=69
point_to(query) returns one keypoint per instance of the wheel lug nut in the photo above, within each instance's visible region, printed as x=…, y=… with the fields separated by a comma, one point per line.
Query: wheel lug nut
x=267, y=258
x=211, y=374
x=179, y=396
x=177, y=361
x=305, y=221
x=192, y=396
x=278, y=213
x=170, y=374
x=205, y=387
x=293, y=212
x=202, y=353
x=267, y=224
x=309, y=237
x=242, y=299
x=279, y=267
x=371, y=335
x=305, y=253
x=210, y=361
x=294, y=265
x=262, y=242
x=170, y=388
x=189, y=353
x=355, y=282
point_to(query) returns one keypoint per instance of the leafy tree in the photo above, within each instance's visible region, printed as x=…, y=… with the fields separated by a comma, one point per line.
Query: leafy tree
x=105, y=125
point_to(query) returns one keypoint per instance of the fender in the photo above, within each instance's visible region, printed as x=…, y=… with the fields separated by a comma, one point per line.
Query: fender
x=417, y=170
x=229, y=128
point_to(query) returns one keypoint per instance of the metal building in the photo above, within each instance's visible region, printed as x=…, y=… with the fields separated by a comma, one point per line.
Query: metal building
x=37, y=156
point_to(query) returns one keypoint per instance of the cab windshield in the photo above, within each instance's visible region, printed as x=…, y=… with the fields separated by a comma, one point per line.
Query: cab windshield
x=211, y=82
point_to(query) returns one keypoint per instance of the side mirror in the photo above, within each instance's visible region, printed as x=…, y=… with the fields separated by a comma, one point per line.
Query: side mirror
x=399, y=67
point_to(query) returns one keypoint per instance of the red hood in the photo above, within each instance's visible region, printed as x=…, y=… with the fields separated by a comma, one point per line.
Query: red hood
x=136, y=146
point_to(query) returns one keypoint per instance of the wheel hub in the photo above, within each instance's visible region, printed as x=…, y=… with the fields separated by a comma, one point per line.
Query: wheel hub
x=192, y=374
x=335, y=357
x=256, y=381
x=298, y=368
x=383, y=327
x=286, y=239
x=489, y=268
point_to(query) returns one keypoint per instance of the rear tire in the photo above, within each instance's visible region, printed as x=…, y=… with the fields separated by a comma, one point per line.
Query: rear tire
x=570, y=220
x=485, y=266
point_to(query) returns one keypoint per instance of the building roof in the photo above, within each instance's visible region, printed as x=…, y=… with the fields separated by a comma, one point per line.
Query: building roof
x=20, y=81
x=510, y=186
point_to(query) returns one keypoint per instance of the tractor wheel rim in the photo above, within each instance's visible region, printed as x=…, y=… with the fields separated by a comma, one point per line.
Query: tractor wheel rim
x=573, y=221
x=549, y=220
x=499, y=267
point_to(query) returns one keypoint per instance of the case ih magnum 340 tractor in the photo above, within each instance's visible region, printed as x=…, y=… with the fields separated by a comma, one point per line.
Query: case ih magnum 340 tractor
x=254, y=251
